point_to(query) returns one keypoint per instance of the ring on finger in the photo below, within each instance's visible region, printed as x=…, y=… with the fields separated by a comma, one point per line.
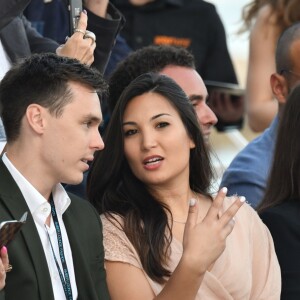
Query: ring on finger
x=9, y=268
x=90, y=35
x=81, y=31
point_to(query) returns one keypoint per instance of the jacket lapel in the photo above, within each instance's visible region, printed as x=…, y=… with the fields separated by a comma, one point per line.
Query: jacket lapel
x=15, y=203
x=83, y=278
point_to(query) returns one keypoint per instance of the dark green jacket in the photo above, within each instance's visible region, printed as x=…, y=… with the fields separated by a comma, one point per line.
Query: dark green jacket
x=30, y=278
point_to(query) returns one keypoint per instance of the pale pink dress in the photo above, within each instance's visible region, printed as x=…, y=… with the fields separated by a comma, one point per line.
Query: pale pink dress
x=247, y=269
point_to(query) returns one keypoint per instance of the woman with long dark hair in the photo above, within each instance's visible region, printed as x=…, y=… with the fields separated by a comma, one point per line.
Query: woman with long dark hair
x=164, y=235
x=280, y=208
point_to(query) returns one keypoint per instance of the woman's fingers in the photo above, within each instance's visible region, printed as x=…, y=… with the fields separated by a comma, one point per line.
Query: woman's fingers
x=193, y=214
x=3, y=266
x=213, y=212
x=225, y=220
x=229, y=214
x=4, y=257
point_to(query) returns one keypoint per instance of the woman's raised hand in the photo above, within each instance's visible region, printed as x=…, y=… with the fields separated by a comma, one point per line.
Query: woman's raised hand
x=204, y=242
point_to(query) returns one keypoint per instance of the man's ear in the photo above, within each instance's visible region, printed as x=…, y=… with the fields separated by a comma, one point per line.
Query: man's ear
x=279, y=87
x=35, y=117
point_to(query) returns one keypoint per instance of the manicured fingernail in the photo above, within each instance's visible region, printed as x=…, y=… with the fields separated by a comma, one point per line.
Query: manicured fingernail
x=4, y=250
x=192, y=202
x=224, y=190
x=232, y=221
x=242, y=199
x=84, y=11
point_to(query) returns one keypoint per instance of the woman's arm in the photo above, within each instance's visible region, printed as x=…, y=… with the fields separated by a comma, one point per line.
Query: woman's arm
x=203, y=243
x=261, y=105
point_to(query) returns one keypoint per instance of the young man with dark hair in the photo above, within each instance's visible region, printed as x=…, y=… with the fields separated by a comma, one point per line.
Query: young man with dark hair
x=51, y=113
x=18, y=39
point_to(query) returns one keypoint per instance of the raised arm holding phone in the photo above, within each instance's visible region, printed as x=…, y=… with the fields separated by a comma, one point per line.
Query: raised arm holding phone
x=18, y=39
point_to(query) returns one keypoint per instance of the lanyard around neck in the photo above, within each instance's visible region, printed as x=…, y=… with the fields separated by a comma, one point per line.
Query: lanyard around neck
x=64, y=276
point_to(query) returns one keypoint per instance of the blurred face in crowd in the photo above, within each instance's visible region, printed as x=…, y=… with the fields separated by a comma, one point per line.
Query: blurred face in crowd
x=192, y=84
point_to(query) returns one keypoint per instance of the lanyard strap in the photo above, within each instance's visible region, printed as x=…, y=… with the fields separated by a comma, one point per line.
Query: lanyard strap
x=64, y=276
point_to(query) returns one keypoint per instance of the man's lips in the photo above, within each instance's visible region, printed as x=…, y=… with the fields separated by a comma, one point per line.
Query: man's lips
x=87, y=159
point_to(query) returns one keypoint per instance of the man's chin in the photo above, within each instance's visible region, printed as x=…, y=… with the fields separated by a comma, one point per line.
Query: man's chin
x=74, y=181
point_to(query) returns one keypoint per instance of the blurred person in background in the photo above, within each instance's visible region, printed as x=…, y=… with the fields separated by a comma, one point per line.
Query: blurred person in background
x=196, y=26
x=280, y=207
x=42, y=14
x=248, y=172
x=266, y=20
x=192, y=24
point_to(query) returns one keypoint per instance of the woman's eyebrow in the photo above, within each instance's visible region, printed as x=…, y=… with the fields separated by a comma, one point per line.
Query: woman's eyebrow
x=151, y=119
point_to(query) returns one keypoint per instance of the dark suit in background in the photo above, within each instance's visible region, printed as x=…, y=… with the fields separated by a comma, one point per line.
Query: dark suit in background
x=283, y=222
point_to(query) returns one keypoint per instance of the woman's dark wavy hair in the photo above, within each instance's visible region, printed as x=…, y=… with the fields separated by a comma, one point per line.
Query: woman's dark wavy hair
x=284, y=179
x=114, y=189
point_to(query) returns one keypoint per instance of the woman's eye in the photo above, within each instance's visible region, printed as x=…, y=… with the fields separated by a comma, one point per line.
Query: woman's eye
x=162, y=124
x=130, y=132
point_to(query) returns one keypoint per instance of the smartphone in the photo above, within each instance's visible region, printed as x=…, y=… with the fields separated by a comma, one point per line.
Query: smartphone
x=75, y=9
x=9, y=229
x=227, y=101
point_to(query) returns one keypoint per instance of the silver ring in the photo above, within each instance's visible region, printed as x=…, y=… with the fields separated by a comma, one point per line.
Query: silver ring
x=80, y=30
x=9, y=268
x=90, y=35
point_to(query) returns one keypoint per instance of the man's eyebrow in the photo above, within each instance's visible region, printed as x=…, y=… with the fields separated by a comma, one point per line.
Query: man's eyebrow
x=92, y=118
x=151, y=119
x=195, y=97
x=198, y=98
